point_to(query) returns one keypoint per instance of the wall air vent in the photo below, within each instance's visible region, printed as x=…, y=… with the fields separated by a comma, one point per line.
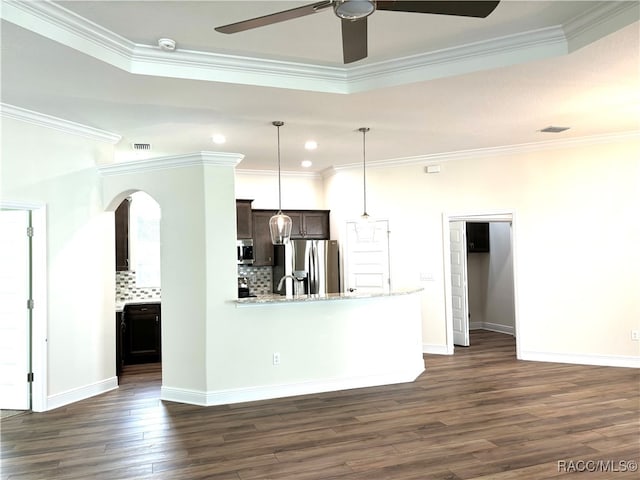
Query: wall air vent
x=141, y=146
x=552, y=129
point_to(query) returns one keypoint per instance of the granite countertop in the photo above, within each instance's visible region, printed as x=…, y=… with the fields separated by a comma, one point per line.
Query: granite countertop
x=278, y=299
x=120, y=304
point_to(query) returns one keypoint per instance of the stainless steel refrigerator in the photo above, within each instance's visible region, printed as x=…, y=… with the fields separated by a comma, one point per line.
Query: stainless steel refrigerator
x=307, y=266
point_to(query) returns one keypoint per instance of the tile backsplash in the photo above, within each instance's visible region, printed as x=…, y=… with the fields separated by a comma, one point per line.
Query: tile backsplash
x=259, y=278
x=260, y=283
x=126, y=288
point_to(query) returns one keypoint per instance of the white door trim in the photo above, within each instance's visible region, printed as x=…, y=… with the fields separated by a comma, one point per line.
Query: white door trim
x=484, y=216
x=39, y=350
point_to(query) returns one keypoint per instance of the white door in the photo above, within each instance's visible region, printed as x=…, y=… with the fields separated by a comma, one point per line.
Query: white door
x=459, y=297
x=366, y=264
x=14, y=311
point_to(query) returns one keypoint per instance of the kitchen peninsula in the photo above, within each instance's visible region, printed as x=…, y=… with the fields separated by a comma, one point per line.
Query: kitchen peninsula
x=333, y=341
x=279, y=299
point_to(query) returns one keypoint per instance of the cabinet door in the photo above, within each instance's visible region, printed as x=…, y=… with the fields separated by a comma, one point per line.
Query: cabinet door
x=262, y=246
x=141, y=342
x=244, y=220
x=316, y=225
x=477, y=237
x=122, y=236
x=297, y=225
x=119, y=332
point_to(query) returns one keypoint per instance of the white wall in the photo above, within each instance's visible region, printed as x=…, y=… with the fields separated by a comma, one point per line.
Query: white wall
x=499, y=310
x=299, y=191
x=477, y=285
x=45, y=166
x=577, y=265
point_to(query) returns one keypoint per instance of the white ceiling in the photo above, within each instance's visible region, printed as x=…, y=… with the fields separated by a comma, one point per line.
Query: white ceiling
x=431, y=84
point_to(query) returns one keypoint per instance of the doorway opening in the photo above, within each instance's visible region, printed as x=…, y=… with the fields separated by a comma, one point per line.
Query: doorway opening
x=479, y=263
x=138, y=284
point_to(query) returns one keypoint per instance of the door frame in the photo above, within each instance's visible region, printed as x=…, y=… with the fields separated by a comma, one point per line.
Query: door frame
x=482, y=216
x=39, y=350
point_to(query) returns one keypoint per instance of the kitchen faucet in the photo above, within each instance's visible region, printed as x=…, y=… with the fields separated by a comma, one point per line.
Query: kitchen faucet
x=282, y=280
x=292, y=277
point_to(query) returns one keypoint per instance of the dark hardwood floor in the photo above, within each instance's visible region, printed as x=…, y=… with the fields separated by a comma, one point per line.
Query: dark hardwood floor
x=479, y=414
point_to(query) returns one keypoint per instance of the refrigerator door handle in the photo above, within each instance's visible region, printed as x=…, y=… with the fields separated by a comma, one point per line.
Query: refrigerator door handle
x=316, y=268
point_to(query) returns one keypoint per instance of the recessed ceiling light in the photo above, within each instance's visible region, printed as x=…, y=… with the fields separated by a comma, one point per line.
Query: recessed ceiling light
x=218, y=139
x=311, y=145
x=552, y=129
x=306, y=163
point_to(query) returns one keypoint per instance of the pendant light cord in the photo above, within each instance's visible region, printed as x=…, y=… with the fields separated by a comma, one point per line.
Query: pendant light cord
x=278, y=124
x=279, y=181
x=364, y=131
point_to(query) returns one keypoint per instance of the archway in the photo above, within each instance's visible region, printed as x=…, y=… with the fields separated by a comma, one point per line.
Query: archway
x=138, y=282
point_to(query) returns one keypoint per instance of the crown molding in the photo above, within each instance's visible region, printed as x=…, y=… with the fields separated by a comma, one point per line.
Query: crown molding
x=55, y=123
x=68, y=28
x=274, y=173
x=62, y=25
x=199, y=159
x=472, y=57
x=215, y=67
x=491, y=151
x=599, y=21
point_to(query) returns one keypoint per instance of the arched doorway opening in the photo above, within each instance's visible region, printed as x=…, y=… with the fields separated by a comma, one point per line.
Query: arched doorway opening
x=138, y=288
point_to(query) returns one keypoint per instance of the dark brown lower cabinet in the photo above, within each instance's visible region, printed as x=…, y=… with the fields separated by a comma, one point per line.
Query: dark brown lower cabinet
x=141, y=334
x=119, y=358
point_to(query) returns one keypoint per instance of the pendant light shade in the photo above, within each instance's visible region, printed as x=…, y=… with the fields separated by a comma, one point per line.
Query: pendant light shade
x=366, y=226
x=279, y=224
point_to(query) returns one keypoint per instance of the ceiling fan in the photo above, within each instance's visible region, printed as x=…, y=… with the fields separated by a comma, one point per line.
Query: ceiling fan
x=354, y=13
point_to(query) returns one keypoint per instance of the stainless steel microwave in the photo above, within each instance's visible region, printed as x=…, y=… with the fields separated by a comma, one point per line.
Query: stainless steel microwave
x=245, y=252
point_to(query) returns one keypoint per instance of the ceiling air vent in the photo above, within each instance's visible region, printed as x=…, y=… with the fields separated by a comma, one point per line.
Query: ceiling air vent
x=552, y=129
x=141, y=146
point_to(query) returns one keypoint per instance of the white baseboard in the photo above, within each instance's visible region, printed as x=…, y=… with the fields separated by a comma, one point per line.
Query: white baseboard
x=493, y=327
x=75, y=395
x=496, y=327
x=436, y=349
x=250, y=394
x=600, y=360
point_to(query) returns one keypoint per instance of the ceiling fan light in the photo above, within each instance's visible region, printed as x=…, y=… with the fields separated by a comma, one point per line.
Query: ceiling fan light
x=354, y=9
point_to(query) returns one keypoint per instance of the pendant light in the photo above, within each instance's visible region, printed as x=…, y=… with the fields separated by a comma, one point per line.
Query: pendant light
x=279, y=224
x=366, y=227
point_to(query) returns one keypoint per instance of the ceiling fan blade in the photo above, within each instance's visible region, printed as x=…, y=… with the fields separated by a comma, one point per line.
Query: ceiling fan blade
x=274, y=17
x=354, y=39
x=479, y=9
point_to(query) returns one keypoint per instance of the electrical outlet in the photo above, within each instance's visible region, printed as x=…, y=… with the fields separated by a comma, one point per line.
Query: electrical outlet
x=635, y=335
x=276, y=358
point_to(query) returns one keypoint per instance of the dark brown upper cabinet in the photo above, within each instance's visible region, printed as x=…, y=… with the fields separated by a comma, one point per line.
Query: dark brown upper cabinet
x=244, y=219
x=306, y=224
x=122, y=235
x=477, y=237
x=309, y=224
x=262, y=246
